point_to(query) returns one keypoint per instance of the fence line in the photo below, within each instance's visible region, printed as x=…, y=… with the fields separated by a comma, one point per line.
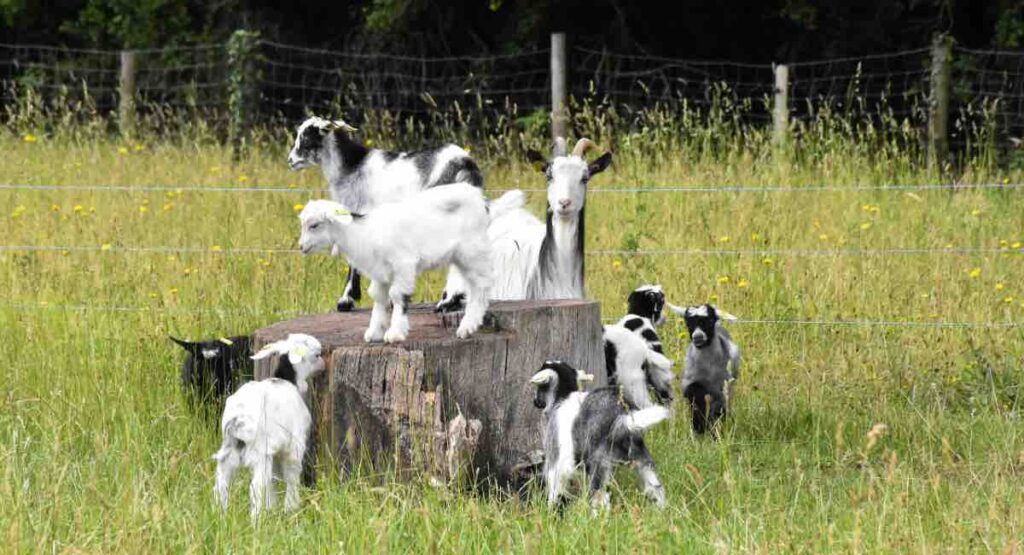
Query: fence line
x=599, y=190
x=81, y=307
x=811, y=253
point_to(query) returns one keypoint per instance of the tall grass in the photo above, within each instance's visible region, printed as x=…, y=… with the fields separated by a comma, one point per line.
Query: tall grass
x=98, y=452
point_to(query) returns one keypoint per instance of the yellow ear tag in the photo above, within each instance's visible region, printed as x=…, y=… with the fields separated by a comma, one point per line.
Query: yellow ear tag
x=301, y=351
x=342, y=212
x=226, y=341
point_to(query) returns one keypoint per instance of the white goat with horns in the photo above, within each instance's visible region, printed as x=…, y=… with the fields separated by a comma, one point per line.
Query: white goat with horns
x=534, y=259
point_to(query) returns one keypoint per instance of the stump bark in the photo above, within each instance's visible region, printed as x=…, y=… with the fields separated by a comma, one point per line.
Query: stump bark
x=397, y=406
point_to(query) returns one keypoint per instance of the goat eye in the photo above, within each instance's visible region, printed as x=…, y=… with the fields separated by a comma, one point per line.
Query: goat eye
x=314, y=226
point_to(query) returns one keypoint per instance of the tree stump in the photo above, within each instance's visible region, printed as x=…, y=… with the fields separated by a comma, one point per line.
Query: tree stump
x=398, y=406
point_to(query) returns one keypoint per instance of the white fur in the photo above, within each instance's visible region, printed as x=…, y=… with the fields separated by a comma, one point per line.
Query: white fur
x=634, y=360
x=396, y=241
x=376, y=180
x=516, y=237
x=557, y=473
x=265, y=426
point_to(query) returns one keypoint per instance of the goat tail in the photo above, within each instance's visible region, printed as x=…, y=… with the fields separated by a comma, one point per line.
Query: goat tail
x=638, y=421
x=658, y=360
x=512, y=200
x=241, y=428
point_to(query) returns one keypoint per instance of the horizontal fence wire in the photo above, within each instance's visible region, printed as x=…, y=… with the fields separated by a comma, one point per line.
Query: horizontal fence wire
x=987, y=97
x=81, y=307
x=599, y=190
x=810, y=253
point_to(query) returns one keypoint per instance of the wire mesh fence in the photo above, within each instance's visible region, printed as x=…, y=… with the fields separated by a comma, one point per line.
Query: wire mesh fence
x=491, y=92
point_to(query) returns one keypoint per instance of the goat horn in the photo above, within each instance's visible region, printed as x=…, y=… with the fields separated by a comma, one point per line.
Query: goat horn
x=340, y=124
x=582, y=146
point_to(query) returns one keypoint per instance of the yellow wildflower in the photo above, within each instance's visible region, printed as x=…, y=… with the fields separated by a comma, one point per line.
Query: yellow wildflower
x=292, y=185
x=724, y=239
x=949, y=245
x=742, y=284
x=755, y=237
x=975, y=273
x=1015, y=245
x=243, y=178
x=723, y=280
x=143, y=209
x=1000, y=286
x=168, y=206
x=29, y=138
x=298, y=207
x=467, y=148
x=122, y=150
x=171, y=258
x=139, y=148
x=55, y=208
x=1006, y=181
x=215, y=248
x=976, y=212
x=713, y=298
x=865, y=226
x=767, y=261
x=174, y=291
x=369, y=143
x=823, y=237
x=106, y=247
x=616, y=263
x=18, y=211
x=214, y=169
x=1008, y=299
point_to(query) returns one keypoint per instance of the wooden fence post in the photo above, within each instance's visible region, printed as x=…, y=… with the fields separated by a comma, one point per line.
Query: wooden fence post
x=938, y=101
x=243, y=86
x=559, y=111
x=780, y=109
x=126, y=92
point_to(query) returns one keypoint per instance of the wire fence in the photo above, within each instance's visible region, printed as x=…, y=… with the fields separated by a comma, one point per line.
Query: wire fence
x=490, y=92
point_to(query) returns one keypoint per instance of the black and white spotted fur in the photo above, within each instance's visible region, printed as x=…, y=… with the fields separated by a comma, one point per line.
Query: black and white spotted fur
x=361, y=178
x=595, y=430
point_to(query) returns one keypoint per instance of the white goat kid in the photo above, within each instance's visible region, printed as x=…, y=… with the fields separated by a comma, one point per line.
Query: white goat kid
x=361, y=178
x=535, y=259
x=394, y=242
x=266, y=426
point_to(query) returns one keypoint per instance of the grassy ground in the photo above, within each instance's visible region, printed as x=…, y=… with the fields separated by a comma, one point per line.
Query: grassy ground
x=99, y=454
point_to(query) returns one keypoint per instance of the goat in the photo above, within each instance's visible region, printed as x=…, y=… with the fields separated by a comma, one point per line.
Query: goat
x=712, y=364
x=633, y=365
x=541, y=260
x=266, y=426
x=646, y=313
x=394, y=242
x=361, y=178
x=595, y=429
x=213, y=368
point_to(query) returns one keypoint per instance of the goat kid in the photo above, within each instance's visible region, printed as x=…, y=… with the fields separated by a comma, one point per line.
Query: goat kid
x=266, y=426
x=633, y=365
x=394, y=242
x=541, y=260
x=361, y=178
x=712, y=364
x=213, y=368
x=593, y=429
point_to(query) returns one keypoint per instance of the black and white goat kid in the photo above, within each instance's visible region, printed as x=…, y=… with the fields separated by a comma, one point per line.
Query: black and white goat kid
x=634, y=365
x=595, y=430
x=214, y=368
x=266, y=426
x=712, y=364
x=361, y=178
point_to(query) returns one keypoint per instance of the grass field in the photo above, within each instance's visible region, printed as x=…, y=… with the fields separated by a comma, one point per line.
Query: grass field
x=99, y=454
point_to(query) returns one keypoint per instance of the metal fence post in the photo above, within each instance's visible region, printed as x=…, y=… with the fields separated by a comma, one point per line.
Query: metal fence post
x=559, y=110
x=243, y=86
x=126, y=92
x=938, y=101
x=780, y=109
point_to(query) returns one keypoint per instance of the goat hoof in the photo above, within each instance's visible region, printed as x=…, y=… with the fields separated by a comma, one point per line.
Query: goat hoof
x=394, y=336
x=464, y=332
x=345, y=305
x=373, y=336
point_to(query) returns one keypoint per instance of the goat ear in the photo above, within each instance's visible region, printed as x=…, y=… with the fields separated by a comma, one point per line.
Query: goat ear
x=724, y=315
x=543, y=377
x=342, y=216
x=601, y=164
x=187, y=345
x=266, y=351
x=537, y=160
x=340, y=124
x=680, y=310
x=297, y=353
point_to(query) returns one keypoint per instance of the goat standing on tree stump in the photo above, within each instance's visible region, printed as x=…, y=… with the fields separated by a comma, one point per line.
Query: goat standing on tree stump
x=534, y=259
x=361, y=178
